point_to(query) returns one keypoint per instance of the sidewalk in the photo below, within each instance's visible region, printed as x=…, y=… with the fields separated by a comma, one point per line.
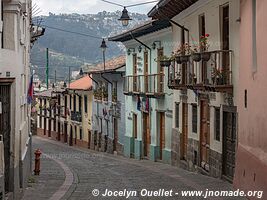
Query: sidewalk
x=51, y=177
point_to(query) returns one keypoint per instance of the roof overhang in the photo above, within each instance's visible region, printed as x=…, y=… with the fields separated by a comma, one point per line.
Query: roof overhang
x=169, y=8
x=115, y=70
x=145, y=29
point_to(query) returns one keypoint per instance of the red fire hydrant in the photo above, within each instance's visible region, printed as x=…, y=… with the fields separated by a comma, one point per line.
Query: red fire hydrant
x=37, y=161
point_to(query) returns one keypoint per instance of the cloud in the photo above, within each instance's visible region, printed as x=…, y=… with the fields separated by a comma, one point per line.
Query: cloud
x=88, y=6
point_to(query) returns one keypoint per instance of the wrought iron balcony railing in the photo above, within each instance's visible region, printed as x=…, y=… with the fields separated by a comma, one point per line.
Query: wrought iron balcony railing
x=149, y=85
x=214, y=74
x=76, y=116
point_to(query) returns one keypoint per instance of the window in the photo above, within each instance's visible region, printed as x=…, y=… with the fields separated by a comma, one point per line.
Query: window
x=194, y=118
x=85, y=104
x=114, y=91
x=80, y=103
x=177, y=115
x=81, y=134
x=217, y=123
x=74, y=103
x=70, y=102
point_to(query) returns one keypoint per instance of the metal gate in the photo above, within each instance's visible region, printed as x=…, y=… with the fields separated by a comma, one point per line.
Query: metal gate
x=5, y=128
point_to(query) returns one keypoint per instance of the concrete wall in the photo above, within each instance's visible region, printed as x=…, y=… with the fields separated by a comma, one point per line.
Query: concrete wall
x=14, y=58
x=252, y=139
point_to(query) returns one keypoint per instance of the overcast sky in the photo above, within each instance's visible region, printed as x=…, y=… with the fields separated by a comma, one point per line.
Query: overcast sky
x=88, y=6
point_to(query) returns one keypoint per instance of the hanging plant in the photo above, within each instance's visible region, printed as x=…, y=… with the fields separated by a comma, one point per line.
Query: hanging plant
x=165, y=61
x=204, y=47
x=182, y=55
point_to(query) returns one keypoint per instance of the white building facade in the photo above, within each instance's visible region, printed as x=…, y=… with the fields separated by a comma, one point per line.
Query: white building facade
x=204, y=103
x=15, y=46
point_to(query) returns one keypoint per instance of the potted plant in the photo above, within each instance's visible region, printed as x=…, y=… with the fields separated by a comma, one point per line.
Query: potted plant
x=204, y=46
x=196, y=55
x=183, y=53
x=165, y=61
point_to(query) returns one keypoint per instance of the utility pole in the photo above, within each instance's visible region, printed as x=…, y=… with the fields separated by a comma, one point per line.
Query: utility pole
x=47, y=67
x=55, y=77
x=69, y=76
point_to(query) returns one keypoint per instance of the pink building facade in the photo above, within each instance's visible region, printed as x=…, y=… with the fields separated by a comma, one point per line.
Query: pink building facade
x=251, y=160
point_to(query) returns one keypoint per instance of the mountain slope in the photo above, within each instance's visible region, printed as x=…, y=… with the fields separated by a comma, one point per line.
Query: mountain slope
x=75, y=47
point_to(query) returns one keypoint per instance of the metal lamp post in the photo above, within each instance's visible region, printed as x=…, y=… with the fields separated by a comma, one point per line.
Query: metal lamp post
x=104, y=48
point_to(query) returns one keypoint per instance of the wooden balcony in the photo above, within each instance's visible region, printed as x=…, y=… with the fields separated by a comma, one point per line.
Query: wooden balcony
x=151, y=85
x=214, y=75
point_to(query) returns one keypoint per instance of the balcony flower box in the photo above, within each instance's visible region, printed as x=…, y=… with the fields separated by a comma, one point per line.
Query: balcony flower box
x=184, y=58
x=165, y=63
x=178, y=59
x=205, y=56
x=196, y=57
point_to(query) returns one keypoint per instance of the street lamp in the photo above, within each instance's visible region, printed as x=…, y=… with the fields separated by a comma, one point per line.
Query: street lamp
x=81, y=72
x=65, y=84
x=125, y=18
x=104, y=48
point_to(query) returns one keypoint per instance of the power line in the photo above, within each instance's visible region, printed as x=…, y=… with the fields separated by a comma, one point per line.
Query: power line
x=116, y=4
x=126, y=6
x=73, y=32
x=139, y=4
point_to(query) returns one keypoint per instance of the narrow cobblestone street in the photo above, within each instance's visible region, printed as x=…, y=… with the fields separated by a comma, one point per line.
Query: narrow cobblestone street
x=93, y=170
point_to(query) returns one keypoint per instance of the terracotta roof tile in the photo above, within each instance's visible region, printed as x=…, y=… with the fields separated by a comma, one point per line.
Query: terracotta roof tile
x=84, y=83
x=111, y=65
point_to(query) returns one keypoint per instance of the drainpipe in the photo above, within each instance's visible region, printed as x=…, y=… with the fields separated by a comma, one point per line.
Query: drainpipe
x=92, y=79
x=101, y=75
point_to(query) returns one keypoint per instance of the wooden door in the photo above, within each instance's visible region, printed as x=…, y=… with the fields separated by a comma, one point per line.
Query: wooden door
x=204, y=134
x=89, y=139
x=59, y=131
x=75, y=134
x=146, y=71
x=5, y=129
x=160, y=78
x=115, y=129
x=225, y=41
x=71, y=136
x=161, y=133
x=65, y=132
x=184, y=135
x=49, y=127
x=134, y=72
x=146, y=134
x=202, y=32
x=229, y=144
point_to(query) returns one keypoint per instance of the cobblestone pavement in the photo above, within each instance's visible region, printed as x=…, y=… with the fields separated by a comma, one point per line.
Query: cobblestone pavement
x=93, y=170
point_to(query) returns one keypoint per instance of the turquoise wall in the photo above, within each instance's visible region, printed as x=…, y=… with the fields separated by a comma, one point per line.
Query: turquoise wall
x=163, y=104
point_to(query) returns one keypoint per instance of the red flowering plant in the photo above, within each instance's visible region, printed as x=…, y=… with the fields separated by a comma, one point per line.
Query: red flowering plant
x=204, y=43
